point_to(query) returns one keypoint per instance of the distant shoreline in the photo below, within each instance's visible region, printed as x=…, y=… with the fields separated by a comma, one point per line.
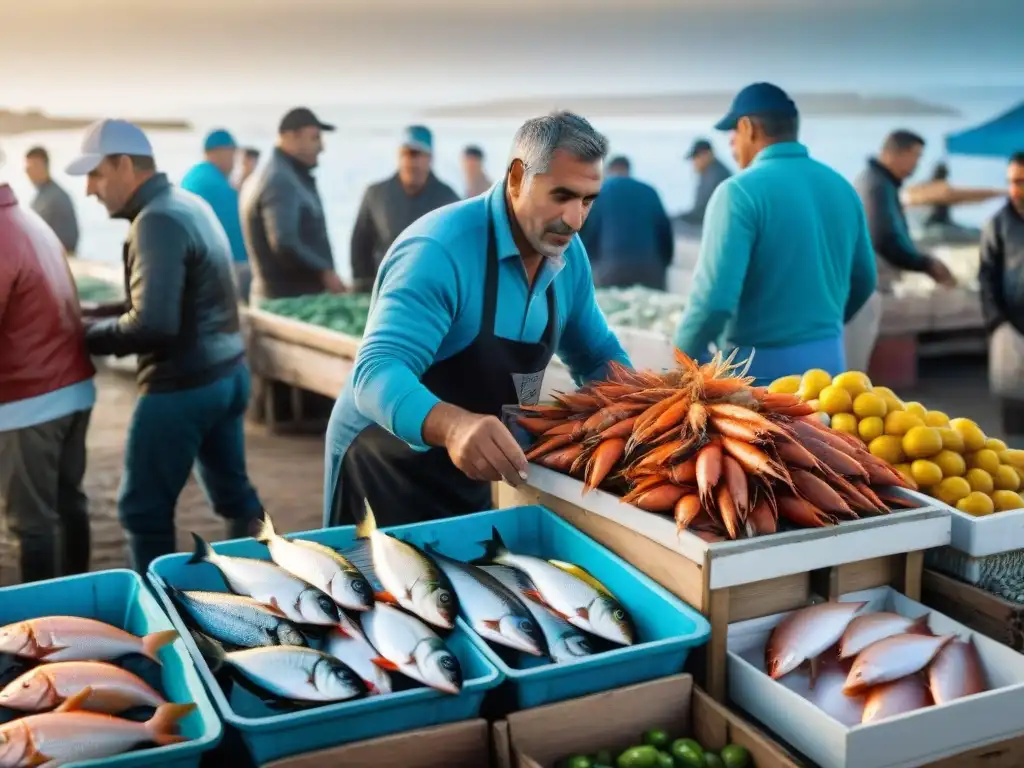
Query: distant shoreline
x=821, y=104
x=30, y=121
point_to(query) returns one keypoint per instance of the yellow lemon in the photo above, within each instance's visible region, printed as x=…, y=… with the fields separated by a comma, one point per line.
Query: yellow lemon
x=922, y=442
x=870, y=428
x=900, y=422
x=976, y=503
x=786, y=385
x=952, y=464
x=868, y=404
x=915, y=408
x=951, y=490
x=854, y=382
x=845, y=422
x=974, y=438
x=888, y=448
x=996, y=445
x=1006, y=478
x=812, y=382
x=1007, y=500
x=925, y=472
x=986, y=459
x=951, y=440
x=905, y=470
x=1014, y=457
x=936, y=419
x=833, y=400
x=980, y=480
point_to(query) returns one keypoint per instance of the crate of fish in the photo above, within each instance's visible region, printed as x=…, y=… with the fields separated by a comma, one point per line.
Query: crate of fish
x=876, y=680
x=299, y=654
x=91, y=675
x=556, y=612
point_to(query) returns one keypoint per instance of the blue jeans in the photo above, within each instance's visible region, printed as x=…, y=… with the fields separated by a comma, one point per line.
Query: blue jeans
x=170, y=433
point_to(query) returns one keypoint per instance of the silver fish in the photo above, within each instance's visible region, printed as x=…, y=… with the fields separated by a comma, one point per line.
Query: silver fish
x=957, y=671
x=567, y=595
x=891, y=659
x=827, y=695
x=320, y=566
x=410, y=579
x=271, y=584
x=412, y=648
x=869, y=628
x=237, y=620
x=355, y=650
x=492, y=610
x=805, y=634
x=564, y=642
x=895, y=698
x=297, y=674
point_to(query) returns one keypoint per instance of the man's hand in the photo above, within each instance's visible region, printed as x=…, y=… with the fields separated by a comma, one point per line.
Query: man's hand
x=940, y=273
x=480, y=446
x=333, y=283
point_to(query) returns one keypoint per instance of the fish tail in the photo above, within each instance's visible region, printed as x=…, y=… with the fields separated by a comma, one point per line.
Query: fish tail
x=152, y=643
x=367, y=525
x=202, y=551
x=494, y=547
x=267, y=531
x=163, y=726
x=211, y=650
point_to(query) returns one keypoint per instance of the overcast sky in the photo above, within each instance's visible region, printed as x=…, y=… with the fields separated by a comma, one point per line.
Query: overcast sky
x=147, y=56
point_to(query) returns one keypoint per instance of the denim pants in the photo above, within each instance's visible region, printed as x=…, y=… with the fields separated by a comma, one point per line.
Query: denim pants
x=170, y=434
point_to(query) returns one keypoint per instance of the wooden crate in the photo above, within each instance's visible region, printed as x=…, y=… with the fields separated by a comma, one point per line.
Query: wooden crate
x=982, y=611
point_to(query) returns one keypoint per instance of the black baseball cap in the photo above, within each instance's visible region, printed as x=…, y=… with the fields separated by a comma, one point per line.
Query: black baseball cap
x=302, y=117
x=700, y=145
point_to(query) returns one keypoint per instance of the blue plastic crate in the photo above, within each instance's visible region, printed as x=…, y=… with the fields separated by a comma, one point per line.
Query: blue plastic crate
x=274, y=736
x=120, y=598
x=666, y=627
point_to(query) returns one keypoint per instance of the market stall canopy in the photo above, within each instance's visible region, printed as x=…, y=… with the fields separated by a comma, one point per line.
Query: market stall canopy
x=1000, y=137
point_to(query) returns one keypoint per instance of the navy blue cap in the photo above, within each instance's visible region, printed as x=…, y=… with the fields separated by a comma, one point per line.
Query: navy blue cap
x=219, y=139
x=418, y=138
x=757, y=99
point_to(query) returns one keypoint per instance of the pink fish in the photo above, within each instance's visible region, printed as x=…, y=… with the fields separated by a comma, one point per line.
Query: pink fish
x=891, y=659
x=895, y=698
x=72, y=638
x=805, y=634
x=957, y=671
x=113, y=689
x=827, y=695
x=871, y=627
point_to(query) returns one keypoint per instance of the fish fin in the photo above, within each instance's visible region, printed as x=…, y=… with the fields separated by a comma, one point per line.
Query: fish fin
x=163, y=726
x=385, y=664
x=491, y=624
x=494, y=547
x=342, y=630
x=202, y=549
x=152, y=643
x=385, y=597
x=266, y=532
x=535, y=596
x=583, y=613
x=815, y=664
x=71, y=703
x=212, y=651
x=368, y=524
x=920, y=626
x=38, y=760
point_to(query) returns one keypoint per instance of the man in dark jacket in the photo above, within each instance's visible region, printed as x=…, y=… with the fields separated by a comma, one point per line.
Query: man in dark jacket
x=52, y=201
x=1001, y=278
x=710, y=173
x=628, y=235
x=181, y=320
x=391, y=205
x=283, y=220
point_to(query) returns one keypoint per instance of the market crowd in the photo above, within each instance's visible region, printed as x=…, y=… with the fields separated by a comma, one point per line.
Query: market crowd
x=471, y=299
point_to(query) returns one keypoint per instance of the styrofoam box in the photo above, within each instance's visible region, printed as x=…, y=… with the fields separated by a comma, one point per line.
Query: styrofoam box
x=979, y=536
x=904, y=741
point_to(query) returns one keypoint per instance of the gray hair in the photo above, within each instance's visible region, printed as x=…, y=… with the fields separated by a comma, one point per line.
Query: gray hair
x=538, y=139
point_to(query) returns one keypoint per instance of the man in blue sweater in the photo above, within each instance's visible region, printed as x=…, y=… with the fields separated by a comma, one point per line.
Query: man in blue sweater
x=785, y=257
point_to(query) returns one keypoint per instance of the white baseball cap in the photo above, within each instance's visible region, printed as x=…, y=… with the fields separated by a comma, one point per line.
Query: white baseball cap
x=106, y=138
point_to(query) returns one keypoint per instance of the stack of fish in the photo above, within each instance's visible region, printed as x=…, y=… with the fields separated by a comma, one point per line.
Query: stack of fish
x=867, y=666
x=726, y=458
x=73, y=696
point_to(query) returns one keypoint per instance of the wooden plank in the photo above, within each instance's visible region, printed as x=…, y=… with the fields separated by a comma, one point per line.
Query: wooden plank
x=766, y=598
x=1004, y=754
x=717, y=648
x=714, y=726
x=982, y=611
x=877, y=572
x=302, y=334
x=301, y=367
x=910, y=576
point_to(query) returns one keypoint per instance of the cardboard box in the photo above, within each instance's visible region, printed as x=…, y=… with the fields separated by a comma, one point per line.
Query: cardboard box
x=617, y=719
x=444, y=746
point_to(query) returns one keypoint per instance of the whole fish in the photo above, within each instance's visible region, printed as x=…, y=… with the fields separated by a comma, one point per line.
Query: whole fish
x=238, y=620
x=492, y=610
x=804, y=634
x=871, y=627
x=114, y=690
x=72, y=638
x=69, y=735
x=320, y=566
x=957, y=671
x=410, y=578
x=568, y=596
x=354, y=649
x=563, y=641
x=270, y=584
x=827, y=695
x=409, y=646
x=893, y=658
x=903, y=695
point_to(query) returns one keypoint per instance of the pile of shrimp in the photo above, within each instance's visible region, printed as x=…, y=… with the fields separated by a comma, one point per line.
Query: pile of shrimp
x=726, y=458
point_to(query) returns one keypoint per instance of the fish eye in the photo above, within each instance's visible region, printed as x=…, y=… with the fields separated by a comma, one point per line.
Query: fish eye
x=447, y=662
x=360, y=586
x=325, y=603
x=618, y=614
x=526, y=625
x=444, y=598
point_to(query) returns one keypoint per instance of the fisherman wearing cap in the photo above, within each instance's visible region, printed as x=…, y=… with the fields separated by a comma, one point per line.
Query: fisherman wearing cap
x=711, y=172
x=181, y=320
x=785, y=257
x=391, y=205
x=211, y=180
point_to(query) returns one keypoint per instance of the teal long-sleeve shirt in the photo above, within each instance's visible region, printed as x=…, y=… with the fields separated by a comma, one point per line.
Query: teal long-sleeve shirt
x=785, y=257
x=210, y=183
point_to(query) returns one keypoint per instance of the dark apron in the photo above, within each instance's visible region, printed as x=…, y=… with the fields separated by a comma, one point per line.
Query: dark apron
x=403, y=485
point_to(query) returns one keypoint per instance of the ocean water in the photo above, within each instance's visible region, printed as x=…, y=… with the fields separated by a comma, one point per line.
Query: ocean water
x=363, y=150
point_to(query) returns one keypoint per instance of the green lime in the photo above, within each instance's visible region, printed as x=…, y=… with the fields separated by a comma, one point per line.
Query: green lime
x=735, y=756
x=638, y=757
x=665, y=760
x=711, y=760
x=604, y=757
x=579, y=761
x=687, y=753
x=657, y=738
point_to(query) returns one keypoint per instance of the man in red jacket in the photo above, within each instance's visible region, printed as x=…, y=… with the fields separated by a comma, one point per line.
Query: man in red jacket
x=46, y=397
